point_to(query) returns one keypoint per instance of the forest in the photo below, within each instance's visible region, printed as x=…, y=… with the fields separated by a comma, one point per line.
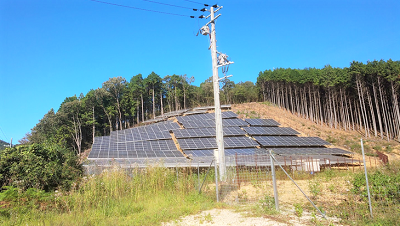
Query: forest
x=362, y=97
x=121, y=104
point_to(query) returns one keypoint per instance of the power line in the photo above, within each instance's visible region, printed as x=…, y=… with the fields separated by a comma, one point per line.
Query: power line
x=196, y=2
x=4, y=134
x=148, y=10
x=161, y=3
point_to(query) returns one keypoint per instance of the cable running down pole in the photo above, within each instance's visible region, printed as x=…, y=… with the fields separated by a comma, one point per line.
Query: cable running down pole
x=218, y=60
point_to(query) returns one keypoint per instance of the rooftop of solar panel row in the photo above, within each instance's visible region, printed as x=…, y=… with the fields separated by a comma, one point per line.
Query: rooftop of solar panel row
x=226, y=106
x=211, y=143
x=271, y=131
x=290, y=141
x=207, y=132
x=262, y=122
x=309, y=151
x=208, y=116
x=195, y=112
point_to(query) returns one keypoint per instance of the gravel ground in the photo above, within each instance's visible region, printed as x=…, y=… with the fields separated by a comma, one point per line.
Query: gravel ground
x=226, y=217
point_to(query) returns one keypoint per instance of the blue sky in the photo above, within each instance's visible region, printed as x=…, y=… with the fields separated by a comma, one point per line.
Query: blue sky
x=50, y=50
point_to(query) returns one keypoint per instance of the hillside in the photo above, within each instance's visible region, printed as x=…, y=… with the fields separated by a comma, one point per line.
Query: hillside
x=348, y=140
x=3, y=145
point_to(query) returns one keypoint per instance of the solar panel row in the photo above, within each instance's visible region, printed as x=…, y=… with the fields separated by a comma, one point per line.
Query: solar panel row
x=290, y=141
x=211, y=123
x=209, y=143
x=207, y=132
x=310, y=151
x=210, y=152
x=262, y=122
x=274, y=131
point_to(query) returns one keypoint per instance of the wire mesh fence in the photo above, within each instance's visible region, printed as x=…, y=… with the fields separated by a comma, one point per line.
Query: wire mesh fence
x=336, y=187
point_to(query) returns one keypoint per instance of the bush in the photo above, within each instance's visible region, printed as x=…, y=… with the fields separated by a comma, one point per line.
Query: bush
x=38, y=166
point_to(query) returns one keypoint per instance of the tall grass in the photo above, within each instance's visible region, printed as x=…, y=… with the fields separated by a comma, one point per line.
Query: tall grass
x=146, y=196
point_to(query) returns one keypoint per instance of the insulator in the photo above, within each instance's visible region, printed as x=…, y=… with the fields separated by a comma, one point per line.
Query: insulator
x=205, y=30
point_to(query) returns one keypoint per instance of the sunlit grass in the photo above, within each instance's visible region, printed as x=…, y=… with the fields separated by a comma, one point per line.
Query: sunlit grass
x=140, y=197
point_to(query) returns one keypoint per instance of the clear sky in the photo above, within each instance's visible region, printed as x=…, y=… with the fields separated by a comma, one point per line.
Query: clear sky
x=53, y=49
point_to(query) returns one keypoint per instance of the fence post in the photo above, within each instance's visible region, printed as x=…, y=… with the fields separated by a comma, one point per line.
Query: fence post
x=366, y=178
x=274, y=181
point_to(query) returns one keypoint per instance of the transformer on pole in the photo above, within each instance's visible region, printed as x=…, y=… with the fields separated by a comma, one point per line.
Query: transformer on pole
x=218, y=60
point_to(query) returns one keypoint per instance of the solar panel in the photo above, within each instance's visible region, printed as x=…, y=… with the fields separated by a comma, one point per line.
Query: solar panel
x=290, y=141
x=310, y=151
x=234, y=122
x=197, y=143
x=210, y=152
x=277, y=131
x=207, y=132
x=239, y=142
x=228, y=114
x=198, y=124
x=262, y=122
x=210, y=143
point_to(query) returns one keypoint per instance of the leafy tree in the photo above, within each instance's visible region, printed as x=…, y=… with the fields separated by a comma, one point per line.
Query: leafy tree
x=116, y=87
x=39, y=166
x=153, y=83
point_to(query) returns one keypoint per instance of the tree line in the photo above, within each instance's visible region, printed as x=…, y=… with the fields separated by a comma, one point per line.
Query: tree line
x=121, y=104
x=362, y=97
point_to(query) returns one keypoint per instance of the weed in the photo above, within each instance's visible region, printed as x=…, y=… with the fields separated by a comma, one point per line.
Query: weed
x=331, y=140
x=377, y=147
x=298, y=209
x=268, y=205
x=315, y=187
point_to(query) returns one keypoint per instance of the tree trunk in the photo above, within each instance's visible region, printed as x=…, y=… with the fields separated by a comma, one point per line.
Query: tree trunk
x=161, y=101
x=154, y=105
x=141, y=96
x=94, y=125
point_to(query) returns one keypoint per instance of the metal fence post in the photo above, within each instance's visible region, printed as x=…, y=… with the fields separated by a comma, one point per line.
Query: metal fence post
x=274, y=181
x=366, y=178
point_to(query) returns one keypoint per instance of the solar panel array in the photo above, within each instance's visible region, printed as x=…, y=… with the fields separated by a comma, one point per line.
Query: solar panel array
x=152, y=141
x=207, y=132
x=198, y=139
x=262, y=122
x=209, y=143
x=290, y=141
x=271, y=131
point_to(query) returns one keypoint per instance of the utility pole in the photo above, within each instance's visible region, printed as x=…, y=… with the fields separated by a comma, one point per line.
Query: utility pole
x=217, y=61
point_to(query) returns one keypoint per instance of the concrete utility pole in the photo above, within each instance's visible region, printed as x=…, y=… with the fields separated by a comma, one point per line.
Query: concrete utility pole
x=216, y=63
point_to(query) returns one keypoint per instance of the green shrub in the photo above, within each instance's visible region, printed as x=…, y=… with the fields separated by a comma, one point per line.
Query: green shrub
x=38, y=166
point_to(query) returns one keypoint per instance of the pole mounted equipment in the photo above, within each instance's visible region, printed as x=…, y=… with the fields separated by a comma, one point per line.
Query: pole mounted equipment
x=218, y=60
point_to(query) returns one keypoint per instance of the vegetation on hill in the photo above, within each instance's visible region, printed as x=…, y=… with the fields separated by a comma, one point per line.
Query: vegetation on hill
x=39, y=166
x=363, y=97
x=121, y=104
x=3, y=145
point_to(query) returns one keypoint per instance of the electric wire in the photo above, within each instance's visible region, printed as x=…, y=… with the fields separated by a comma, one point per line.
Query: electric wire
x=148, y=10
x=161, y=3
x=4, y=134
x=196, y=2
